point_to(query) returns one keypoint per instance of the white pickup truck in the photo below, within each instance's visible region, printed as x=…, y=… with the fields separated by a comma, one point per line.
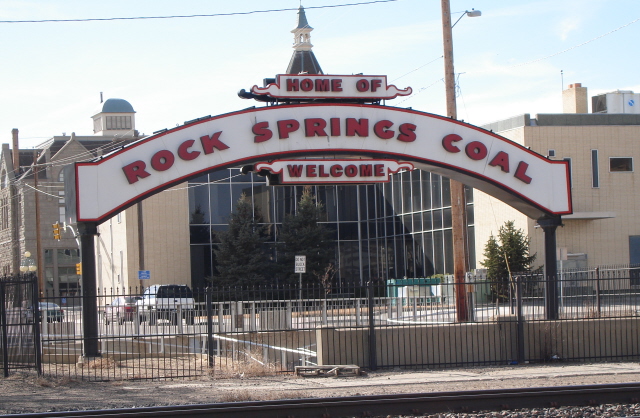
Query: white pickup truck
x=166, y=301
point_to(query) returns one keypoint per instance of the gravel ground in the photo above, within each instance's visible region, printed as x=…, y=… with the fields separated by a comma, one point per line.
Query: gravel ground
x=25, y=392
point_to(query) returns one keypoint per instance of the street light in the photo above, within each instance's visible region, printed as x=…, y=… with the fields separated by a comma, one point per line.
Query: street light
x=458, y=200
x=28, y=264
x=470, y=13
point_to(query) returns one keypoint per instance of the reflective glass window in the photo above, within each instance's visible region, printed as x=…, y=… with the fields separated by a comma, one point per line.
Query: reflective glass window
x=220, y=203
x=347, y=203
x=199, y=205
x=438, y=252
x=201, y=179
x=437, y=219
x=219, y=176
x=348, y=231
x=446, y=192
x=448, y=251
x=446, y=218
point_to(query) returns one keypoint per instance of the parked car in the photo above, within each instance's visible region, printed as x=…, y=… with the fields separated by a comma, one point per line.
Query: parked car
x=121, y=309
x=163, y=301
x=53, y=312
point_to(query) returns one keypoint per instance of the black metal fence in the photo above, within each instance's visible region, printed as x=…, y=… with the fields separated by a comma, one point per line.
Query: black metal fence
x=410, y=324
x=19, y=337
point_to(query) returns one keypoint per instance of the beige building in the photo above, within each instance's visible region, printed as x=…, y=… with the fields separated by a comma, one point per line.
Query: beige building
x=602, y=149
x=158, y=244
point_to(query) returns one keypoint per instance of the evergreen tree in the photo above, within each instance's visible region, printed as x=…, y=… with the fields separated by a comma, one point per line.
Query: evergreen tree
x=241, y=256
x=303, y=235
x=505, y=256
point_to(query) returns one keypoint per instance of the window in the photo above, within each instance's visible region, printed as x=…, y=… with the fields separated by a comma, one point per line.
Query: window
x=61, y=206
x=595, y=177
x=551, y=153
x=118, y=122
x=5, y=213
x=620, y=164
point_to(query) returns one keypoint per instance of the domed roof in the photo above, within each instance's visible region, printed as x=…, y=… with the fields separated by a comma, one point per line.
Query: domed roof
x=117, y=106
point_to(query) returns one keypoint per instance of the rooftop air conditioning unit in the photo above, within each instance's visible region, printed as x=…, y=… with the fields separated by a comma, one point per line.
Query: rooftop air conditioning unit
x=616, y=102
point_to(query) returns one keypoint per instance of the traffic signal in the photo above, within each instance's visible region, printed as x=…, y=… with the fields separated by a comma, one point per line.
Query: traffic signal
x=79, y=269
x=56, y=231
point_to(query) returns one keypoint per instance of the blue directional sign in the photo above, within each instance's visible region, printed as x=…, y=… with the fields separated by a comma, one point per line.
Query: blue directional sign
x=144, y=275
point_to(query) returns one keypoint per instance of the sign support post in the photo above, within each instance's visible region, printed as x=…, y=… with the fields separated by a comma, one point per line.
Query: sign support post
x=87, y=232
x=301, y=267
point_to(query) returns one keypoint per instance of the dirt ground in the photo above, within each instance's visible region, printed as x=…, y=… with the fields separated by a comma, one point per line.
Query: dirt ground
x=25, y=392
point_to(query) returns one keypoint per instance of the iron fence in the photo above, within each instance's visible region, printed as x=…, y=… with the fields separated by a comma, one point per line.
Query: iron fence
x=19, y=337
x=236, y=331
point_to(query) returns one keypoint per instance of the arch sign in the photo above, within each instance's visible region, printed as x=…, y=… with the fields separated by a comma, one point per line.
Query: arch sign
x=322, y=143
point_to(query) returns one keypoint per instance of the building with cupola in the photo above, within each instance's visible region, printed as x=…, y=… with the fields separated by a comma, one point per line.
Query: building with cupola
x=32, y=195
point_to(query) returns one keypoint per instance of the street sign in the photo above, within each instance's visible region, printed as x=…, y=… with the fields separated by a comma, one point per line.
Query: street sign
x=301, y=264
x=144, y=275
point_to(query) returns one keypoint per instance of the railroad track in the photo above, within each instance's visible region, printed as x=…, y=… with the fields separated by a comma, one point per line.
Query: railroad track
x=383, y=405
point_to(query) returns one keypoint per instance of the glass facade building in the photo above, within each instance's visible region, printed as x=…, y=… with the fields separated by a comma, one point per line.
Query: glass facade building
x=381, y=231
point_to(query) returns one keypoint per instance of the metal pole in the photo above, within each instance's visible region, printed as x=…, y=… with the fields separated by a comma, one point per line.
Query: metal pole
x=520, y=319
x=38, y=232
x=5, y=329
x=373, y=360
x=458, y=201
x=141, y=265
x=37, y=338
x=598, y=302
x=87, y=232
x=210, y=328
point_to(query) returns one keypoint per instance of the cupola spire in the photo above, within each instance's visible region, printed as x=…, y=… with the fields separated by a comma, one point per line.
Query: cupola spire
x=303, y=59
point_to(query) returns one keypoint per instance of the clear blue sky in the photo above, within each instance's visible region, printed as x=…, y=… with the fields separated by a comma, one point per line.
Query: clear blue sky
x=174, y=70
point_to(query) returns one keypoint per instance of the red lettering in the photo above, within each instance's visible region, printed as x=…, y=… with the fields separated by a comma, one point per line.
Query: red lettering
x=447, y=142
x=211, y=142
x=366, y=170
x=311, y=171
x=162, y=160
x=306, y=84
x=359, y=126
x=322, y=84
x=184, y=153
x=351, y=170
x=294, y=170
x=382, y=131
x=293, y=84
x=378, y=170
x=521, y=172
x=262, y=132
x=335, y=126
x=501, y=160
x=315, y=127
x=134, y=171
x=321, y=172
x=375, y=83
x=362, y=85
x=336, y=84
x=476, y=150
x=336, y=170
x=285, y=127
x=407, y=132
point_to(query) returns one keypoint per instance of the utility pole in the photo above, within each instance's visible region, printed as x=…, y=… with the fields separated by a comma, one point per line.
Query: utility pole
x=38, y=232
x=458, y=200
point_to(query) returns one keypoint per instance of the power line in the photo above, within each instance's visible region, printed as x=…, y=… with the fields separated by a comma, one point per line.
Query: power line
x=191, y=16
x=575, y=46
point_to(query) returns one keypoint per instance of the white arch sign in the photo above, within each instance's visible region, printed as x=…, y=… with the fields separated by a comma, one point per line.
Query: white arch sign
x=526, y=180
